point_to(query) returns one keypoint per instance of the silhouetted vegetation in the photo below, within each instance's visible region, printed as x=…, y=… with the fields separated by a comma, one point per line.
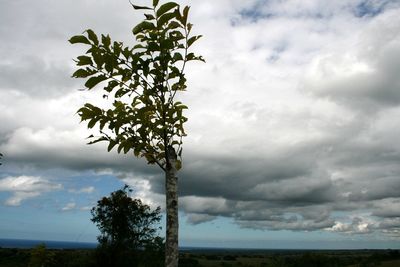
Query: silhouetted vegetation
x=128, y=231
x=202, y=258
x=41, y=257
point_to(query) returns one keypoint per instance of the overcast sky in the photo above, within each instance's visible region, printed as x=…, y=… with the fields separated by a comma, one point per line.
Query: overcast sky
x=293, y=131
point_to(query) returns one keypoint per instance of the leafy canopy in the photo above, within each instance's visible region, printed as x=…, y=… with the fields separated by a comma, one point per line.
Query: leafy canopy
x=142, y=82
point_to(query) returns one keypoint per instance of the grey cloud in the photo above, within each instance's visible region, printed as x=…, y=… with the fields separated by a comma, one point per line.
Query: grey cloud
x=196, y=218
x=292, y=223
x=390, y=223
x=32, y=75
x=387, y=208
x=367, y=77
x=50, y=149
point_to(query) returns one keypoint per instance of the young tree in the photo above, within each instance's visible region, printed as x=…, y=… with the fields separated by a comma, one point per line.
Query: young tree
x=142, y=82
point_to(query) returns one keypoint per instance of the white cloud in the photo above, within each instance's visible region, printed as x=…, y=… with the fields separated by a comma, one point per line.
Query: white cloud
x=18, y=197
x=69, y=206
x=358, y=225
x=24, y=187
x=85, y=208
x=86, y=190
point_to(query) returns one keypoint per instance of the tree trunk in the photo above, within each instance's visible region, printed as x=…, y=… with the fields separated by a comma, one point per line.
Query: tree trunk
x=171, y=194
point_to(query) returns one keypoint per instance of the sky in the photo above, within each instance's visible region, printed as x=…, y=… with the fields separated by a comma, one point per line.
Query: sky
x=292, y=128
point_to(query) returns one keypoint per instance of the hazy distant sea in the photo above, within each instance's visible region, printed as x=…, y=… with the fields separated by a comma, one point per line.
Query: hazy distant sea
x=22, y=243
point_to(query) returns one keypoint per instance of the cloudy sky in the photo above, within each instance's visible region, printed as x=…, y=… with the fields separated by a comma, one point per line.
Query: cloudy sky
x=293, y=127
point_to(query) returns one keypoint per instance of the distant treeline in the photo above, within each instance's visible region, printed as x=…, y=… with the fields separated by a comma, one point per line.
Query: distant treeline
x=40, y=256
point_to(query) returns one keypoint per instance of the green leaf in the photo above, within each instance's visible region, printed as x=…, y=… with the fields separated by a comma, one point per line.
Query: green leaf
x=174, y=25
x=92, y=123
x=144, y=25
x=183, y=106
x=139, y=46
x=106, y=40
x=165, y=18
x=84, y=60
x=111, y=145
x=93, y=81
x=189, y=26
x=177, y=56
x=117, y=48
x=191, y=56
x=92, y=36
x=136, y=152
x=121, y=146
x=102, y=124
x=193, y=39
x=81, y=73
x=111, y=85
x=99, y=59
x=165, y=8
x=140, y=7
x=149, y=16
x=185, y=15
x=126, y=147
x=79, y=39
x=155, y=3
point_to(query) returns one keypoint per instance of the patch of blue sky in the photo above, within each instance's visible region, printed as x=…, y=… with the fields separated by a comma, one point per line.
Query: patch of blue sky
x=370, y=8
x=45, y=224
x=253, y=13
x=43, y=215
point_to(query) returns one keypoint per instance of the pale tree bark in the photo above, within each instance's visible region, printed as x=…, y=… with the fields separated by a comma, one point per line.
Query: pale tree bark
x=171, y=194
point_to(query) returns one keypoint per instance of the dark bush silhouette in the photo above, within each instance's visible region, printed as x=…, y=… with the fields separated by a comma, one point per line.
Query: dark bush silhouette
x=128, y=231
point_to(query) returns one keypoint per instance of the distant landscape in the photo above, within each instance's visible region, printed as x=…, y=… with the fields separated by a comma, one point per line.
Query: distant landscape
x=19, y=253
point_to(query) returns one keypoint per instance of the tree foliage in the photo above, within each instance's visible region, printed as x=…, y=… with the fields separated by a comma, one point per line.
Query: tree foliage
x=125, y=222
x=142, y=82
